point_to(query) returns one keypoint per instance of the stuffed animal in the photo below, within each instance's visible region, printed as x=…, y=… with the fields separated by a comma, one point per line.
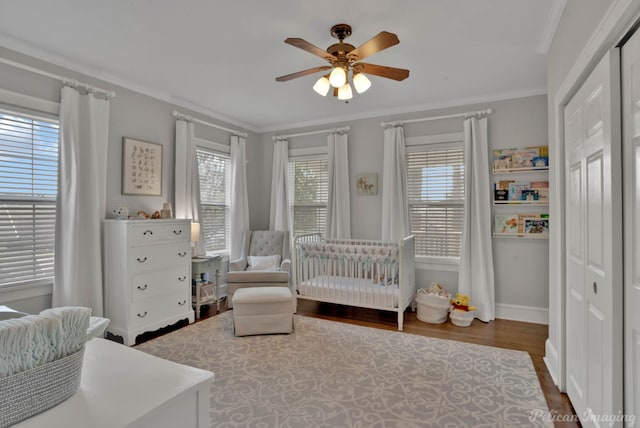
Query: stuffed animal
x=121, y=213
x=437, y=289
x=461, y=302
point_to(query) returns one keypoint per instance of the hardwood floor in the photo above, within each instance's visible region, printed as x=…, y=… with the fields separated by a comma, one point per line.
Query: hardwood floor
x=515, y=335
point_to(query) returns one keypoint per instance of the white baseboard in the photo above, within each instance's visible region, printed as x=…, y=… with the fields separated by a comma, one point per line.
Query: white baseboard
x=551, y=360
x=522, y=313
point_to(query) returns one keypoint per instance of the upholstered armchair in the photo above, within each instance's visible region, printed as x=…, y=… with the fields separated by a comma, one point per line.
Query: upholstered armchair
x=264, y=261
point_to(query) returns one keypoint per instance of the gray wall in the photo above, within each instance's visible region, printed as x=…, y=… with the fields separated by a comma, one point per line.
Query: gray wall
x=521, y=267
x=132, y=114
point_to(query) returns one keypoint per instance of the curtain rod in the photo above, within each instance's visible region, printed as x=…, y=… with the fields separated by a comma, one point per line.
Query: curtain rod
x=65, y=80
x=322, y=131
x=479, y=113
x=181, y=116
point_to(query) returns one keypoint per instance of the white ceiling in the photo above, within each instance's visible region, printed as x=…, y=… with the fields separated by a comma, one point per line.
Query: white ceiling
x=221, y=57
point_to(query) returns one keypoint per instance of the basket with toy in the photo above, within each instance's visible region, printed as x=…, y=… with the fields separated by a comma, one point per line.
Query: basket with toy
x=462, y=314
x=433, y=304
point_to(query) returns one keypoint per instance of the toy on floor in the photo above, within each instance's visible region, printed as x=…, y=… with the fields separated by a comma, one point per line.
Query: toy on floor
x=461, y=302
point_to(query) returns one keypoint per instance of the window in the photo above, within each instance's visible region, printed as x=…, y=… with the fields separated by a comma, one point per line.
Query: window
x=435, y=178
x=214, y=171
x=308, y=193
x=28, y=188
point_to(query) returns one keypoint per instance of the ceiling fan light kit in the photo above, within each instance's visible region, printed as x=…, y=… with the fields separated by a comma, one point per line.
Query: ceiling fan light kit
x=344, y=58
x=322, y=86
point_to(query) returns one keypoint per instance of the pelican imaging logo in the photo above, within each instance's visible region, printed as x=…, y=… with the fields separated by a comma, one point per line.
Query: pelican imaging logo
x=587, y=416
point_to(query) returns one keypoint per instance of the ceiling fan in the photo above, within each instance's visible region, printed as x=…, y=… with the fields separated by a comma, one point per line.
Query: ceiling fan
x=343, y=58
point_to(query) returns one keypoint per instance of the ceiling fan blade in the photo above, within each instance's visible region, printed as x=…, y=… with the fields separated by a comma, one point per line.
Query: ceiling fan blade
x=382, y=71
x=301, y=73
x=380, y=42
x=309, y=47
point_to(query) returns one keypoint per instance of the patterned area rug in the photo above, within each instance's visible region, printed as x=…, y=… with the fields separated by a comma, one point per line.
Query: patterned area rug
x=331, y=374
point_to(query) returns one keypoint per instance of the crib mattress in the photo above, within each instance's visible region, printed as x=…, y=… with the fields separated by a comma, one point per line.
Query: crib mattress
x=350, y=291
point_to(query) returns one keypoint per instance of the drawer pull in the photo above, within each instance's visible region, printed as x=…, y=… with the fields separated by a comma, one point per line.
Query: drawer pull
x=141, y=260
x=148, y=232
x=142, y=288
x=177, y=232
x=142, y=315
x=182, y=303
x=182, y=254
x=182, y=278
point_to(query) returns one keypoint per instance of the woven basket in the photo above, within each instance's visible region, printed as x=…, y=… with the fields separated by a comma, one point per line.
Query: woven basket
x=33, y=391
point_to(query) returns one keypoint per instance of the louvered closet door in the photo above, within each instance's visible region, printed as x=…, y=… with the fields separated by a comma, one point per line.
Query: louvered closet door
x=631, y=151
x=594, y=249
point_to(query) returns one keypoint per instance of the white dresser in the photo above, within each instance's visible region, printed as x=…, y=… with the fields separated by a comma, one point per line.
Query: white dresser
x=147, y=275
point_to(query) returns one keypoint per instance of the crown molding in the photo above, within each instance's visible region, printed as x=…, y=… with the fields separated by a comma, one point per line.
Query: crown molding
x=27, y=49
x=410, y=109
x=553, y=20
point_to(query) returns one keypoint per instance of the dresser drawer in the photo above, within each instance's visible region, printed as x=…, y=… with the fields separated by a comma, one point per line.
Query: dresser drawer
x=148, y=233
x=159, y=257
x=159, y=308
x=158, y=283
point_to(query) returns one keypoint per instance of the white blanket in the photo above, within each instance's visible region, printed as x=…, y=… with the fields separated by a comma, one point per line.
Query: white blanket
x=34, y=340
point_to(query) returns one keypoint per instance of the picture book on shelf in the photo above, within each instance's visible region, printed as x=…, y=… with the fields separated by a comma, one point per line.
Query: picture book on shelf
x=515, y=190
x=535, y=226
x=524, y=158
x=506, y=224
x=529, y=195
x=520, y=158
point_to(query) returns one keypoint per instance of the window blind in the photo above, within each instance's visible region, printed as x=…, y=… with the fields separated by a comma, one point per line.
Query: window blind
x=28, y=189
x=435, y=180
x=308, y=193
x=214, y=170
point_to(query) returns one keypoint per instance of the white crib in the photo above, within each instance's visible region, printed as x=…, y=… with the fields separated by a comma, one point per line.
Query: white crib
x=355, y=272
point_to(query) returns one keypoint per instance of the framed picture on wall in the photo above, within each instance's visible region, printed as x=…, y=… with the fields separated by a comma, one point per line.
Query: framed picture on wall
x=367, y=184
x=141, y=167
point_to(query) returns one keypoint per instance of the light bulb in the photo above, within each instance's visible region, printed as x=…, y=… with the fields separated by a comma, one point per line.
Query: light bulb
x=338, y=77
x=322, y=86
x=344, y=92
x=361, y=82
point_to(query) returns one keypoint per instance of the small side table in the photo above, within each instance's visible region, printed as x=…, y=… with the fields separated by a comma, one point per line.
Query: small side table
x=209, y=266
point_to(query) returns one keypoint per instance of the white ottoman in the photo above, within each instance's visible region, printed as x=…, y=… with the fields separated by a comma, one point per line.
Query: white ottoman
x=262, y=310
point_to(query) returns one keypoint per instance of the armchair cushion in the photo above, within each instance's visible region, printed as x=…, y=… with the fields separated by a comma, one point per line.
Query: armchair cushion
x=264, y=262
x=258, y=277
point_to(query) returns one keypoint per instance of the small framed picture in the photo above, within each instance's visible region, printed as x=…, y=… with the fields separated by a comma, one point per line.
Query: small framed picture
x=141, y=167
x=367, y=184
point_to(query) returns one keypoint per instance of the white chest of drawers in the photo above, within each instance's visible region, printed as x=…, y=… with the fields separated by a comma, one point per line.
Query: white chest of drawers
x=147, y=275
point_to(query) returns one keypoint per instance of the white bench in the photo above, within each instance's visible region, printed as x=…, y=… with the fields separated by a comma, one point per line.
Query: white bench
x=262, y=310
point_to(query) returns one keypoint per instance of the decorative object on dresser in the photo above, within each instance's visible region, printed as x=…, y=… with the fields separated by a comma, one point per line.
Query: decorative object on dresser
x=147, y=274
x=141, y=167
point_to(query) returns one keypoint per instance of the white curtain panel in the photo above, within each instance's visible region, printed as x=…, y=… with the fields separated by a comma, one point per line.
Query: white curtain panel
x=239, y=221
x=338, y=203
x=81, y=200
x=395, y=203
x=475, y=277
x=279, y=212
x=187, y=179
